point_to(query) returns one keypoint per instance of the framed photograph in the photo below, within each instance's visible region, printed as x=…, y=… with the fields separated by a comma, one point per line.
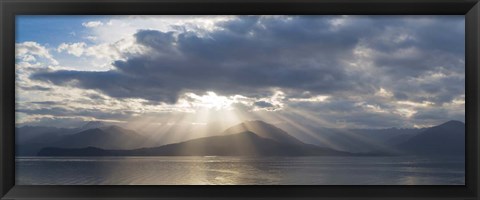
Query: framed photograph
x=193, y=99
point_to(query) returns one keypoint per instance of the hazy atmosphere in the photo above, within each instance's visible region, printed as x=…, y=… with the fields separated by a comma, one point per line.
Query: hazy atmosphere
x=321, y=85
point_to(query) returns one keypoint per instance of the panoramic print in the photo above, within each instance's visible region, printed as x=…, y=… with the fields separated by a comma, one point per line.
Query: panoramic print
x=240, y=100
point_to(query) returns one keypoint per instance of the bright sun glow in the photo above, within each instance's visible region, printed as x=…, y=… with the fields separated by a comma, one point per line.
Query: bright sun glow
x=211, y=101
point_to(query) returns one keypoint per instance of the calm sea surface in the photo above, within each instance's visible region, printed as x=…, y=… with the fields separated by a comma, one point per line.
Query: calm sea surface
x=240, y=170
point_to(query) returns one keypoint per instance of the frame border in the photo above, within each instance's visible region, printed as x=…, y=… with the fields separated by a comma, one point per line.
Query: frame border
x=10, y=8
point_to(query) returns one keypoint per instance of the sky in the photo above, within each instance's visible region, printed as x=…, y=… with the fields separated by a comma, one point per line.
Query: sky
x=156, y=71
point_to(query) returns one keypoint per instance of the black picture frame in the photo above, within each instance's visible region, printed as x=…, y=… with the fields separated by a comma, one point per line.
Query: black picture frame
x=10, y=8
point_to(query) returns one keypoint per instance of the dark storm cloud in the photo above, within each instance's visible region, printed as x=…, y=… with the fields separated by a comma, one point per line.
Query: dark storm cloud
x=433, y=42
x=263, y=104
x=48, y=103
x=64, y=112
x=436, y=90
x=113, y=83
x=250, y=55
x=35, y=87
x=95, y=97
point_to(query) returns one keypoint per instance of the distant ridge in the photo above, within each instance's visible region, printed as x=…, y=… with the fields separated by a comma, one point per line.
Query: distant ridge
x=239, y=143
x=95, y=134
x=108, y=137
x=92, y=125
x=445, y=139
x=265, y=130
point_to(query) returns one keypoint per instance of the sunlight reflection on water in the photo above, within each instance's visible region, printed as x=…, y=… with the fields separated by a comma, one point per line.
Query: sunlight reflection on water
x=240, y=171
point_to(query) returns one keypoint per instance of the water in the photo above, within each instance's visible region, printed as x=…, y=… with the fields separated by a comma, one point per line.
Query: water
x=240, y=171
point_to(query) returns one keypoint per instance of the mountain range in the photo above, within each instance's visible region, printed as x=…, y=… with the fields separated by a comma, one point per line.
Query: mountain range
x=250, y=138
x=30, y=140
x=445, y=139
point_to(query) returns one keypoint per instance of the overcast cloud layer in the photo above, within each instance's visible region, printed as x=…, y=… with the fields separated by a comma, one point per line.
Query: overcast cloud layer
x=363, y=71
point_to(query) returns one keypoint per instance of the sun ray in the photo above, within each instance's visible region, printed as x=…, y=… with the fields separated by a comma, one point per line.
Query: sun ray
x=317, y=136
x=349, y=133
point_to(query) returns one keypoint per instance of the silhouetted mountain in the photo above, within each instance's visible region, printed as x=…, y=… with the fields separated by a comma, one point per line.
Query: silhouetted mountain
x=31, y=139
x=352, y=140
x=445, y=139
x=239, y=144
x=389, y=136
x=110, y=137
x=252, y=138
x=25, y=134
x=43, y=134
x=264, y=130
x=92, y=125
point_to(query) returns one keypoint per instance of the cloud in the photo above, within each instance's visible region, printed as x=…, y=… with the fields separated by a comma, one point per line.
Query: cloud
x=75, y=49
x=367, y=66
x=263, y=104
x=35, y=87
x=227, y=59
x=29, y=51
x=56, y=121
x=104, y=51
x=92, y=24
x=63, y=112
x=91, y=38
x=119, y=27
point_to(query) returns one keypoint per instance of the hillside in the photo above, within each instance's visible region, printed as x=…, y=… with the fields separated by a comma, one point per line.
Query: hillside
x=244, y=143
x=445, y=139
